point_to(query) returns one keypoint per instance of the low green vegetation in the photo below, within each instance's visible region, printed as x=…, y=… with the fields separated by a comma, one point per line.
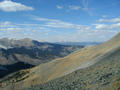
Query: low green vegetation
x=15, y=77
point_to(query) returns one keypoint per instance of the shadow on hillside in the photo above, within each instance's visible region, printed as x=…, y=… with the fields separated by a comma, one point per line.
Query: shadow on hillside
x=13, y=68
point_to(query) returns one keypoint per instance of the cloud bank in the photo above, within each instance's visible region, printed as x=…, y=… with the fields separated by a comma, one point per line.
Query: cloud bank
x=50, y=30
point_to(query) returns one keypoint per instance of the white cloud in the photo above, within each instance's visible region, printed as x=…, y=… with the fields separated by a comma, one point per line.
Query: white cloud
x=83, y=36
x=100, y=26
x=9, y=27
x=95, y=35
x=10, y=6
x=107, y=27
x=59, y=7
x=84, y=7
x=83, y=27
x=59, y=24
x=74, y=7
x=54, y=23
x=114, y=20
x=45, y=19
x=14, y=30
x=5, y=24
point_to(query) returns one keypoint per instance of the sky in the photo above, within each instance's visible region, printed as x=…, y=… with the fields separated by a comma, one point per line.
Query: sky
x=60, y=20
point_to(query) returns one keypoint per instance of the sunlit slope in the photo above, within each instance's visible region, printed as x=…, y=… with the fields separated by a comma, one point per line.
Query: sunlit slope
x=77, y=60
x=103, y=75
x=72, y=62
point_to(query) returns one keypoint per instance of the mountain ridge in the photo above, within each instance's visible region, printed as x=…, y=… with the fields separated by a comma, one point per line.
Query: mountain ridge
x=30, y=52
x=33, y=48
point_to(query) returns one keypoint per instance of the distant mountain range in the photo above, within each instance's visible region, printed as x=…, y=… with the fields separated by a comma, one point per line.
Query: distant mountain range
x=28, y=53
x=80, y=43
x=90, y=68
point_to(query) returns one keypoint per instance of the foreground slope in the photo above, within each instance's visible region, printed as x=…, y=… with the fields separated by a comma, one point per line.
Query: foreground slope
x=104, y=75
x=60, y=67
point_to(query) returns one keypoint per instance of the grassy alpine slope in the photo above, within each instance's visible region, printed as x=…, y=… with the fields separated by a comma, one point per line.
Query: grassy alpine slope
x=104, y=75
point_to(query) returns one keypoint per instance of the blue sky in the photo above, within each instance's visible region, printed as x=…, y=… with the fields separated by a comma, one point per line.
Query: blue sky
x=60, y=20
